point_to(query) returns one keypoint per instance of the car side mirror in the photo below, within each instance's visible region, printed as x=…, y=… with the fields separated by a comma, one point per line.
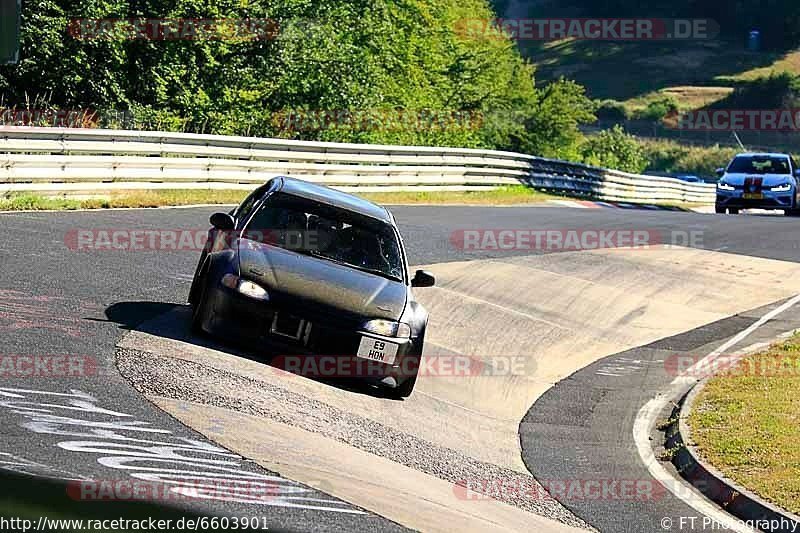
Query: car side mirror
x=720, y=172
x=222, y=221
x=423, y=278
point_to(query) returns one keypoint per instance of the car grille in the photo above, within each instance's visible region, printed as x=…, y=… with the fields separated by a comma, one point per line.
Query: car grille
x=330, y=334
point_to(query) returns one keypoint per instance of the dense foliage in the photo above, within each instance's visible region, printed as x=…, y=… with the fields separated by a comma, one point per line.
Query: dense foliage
x=385, y=71
x=672, y=157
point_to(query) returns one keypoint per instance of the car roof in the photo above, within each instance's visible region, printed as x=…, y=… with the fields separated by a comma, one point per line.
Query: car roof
x=762, y=154
x=326, y=195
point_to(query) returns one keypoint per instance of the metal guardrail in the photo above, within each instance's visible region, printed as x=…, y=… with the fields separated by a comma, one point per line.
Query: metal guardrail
x=58, y=160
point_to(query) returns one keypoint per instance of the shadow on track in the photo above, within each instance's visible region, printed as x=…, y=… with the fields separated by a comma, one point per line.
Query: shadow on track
x=27, y=497
x=172, y=321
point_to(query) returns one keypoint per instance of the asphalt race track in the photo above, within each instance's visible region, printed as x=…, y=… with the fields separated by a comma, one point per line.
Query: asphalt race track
x=596, y=325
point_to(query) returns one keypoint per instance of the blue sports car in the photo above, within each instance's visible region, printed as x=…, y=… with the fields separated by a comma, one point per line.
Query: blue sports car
x=761, y=181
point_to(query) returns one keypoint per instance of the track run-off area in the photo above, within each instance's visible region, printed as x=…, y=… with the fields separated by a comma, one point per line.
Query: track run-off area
x=537, y=434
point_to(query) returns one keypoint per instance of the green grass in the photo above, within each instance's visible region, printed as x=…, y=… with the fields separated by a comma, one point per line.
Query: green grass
x=746, y=422
x=30, y=202
x=512, y=195
x=501, y=196
x=687, y=97
x=36, y=203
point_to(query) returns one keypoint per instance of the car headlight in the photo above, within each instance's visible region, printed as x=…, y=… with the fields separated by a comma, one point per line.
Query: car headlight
x=722, y=186
x=782, y=188
x=248, y=288
x=387, y=328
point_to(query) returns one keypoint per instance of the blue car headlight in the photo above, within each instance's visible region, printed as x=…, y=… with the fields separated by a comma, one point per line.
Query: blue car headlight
x=722, y=186
x=786, y=187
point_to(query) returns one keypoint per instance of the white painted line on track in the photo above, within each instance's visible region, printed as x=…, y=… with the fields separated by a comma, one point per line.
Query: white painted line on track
x=646, y=418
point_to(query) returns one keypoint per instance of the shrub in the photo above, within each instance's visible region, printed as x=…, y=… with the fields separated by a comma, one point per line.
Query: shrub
x=658, y=109
x=611, y=110
x=614, y=149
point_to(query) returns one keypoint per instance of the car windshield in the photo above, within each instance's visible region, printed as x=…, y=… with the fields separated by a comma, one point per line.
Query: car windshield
x=760, y=165
x=327, y=232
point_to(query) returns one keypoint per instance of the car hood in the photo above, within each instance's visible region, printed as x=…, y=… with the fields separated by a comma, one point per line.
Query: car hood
x=768, y=180
x=304, y=280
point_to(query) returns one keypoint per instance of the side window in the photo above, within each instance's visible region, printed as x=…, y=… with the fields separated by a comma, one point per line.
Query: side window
x=243, y=211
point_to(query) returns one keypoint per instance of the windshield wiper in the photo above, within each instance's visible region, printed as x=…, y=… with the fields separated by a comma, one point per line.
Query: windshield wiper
x=376, y=271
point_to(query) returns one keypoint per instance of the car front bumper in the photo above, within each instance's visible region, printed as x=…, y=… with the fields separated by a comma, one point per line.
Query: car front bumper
x=324, y=347
x=768, y=200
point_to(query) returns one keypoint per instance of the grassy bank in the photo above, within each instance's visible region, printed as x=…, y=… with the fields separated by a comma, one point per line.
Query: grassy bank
x=746, y=422
x=501, y=196
x=513, y=195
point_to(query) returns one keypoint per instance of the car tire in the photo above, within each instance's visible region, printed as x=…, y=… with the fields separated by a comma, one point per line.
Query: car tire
x=720, y=210
x=733, y=210
x=199, y=309
x=198, y=277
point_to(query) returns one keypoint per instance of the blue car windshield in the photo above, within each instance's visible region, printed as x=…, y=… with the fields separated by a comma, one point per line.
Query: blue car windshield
x=760, y=165
x=327, y=232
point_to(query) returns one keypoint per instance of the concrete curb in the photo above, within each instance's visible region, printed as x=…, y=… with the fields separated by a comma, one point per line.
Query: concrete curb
x=713, y=484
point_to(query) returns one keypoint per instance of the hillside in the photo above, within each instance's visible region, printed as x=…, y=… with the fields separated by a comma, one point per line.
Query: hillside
x=696, y=73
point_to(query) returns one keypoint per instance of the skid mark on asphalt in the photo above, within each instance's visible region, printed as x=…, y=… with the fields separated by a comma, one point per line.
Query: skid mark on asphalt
x=24, y=311
x=186, y=467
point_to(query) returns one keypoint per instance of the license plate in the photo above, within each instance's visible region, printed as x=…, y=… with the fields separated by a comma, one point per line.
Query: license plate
x=377, y=350
x=753, y=196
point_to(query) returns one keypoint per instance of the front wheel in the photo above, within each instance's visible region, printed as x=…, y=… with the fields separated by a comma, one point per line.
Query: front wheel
x=720, y=210
x=733, y=210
